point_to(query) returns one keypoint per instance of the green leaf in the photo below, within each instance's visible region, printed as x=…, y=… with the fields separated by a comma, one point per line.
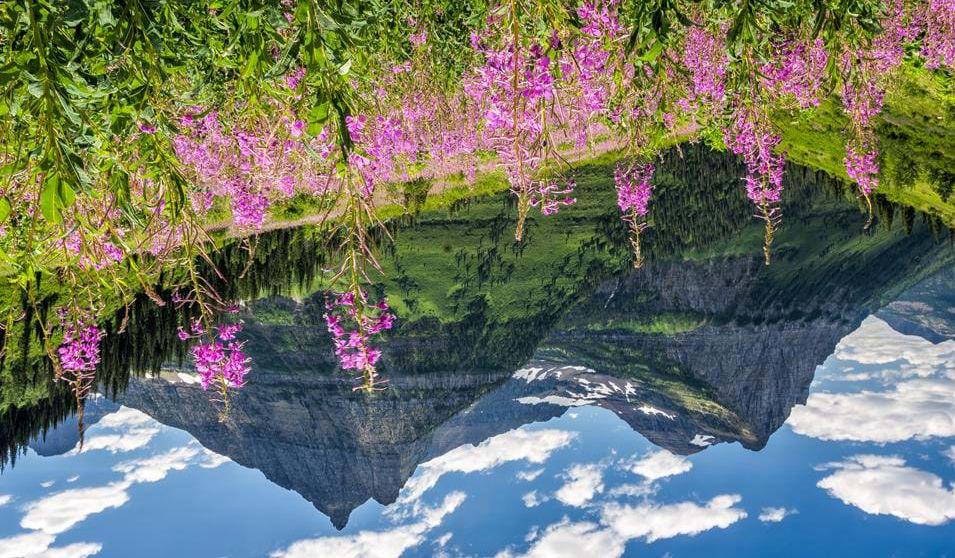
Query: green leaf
x=48, y=200
x=55, y=197
x=5, y=209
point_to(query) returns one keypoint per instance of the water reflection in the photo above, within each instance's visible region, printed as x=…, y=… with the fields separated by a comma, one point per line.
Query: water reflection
x=517, y=378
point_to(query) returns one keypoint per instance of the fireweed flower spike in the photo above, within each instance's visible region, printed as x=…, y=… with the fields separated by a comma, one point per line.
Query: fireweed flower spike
x=220, y=360
x=352, y=321
x=633, y=183
x=750, y=136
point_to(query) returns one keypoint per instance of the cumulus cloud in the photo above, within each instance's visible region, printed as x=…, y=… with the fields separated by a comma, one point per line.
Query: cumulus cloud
x=660, y=464
x=633, y=490
x=155, y=468
x=775, y=515
x=529, y=475
x=584, y=481
x=663, y=521
x=534, y=446
x=38, y=545
x=5, y=499
x=27, y=544
x=620, y=524
x=885, y=485
x=919, y=408
x=572, y=540
x=122, y=431
x=875, y=342
x=371, y=544
x=950, y=454
x=61, y=511
x=533, y=499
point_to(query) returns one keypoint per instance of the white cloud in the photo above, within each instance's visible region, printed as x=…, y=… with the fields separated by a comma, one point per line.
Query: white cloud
x=702, y=440
x=122, y=431
x=529, y=475
x=155, y=468
x=775, y=515
x=61, y=511
x=620, y=524
x=75, y=550
x=572, y=540
x=370, y=544
x=876, y=343
x=73, y=479
x=213, y=459
x=5, y=499
x=584, y=482
x=27, y=544
x=47, y=484
x=532, y=499
x=633, y=490
x=660, y=464
x=663, y=521
x=919, y=408
x=38, y=545
x=950, y=454
x=884, y=485
x=534, y=446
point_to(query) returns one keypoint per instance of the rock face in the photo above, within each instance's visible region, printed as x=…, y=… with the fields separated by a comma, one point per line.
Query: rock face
x=315, y=435
x=926, y=310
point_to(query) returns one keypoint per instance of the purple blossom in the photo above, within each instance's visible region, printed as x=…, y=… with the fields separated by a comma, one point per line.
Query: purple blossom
x=634, y=187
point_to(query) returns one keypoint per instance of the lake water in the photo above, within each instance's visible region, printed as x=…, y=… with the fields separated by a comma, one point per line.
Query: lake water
x=542, y=400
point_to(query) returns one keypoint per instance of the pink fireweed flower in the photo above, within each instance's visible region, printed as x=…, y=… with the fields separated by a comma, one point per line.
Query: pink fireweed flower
x=704, y=55
x=861, y=166
x=293, y=79
x=418, y=39
x=938, y=43
x=549, y=196
x=352, y=322
x=222, y=360
x=79, y=351
x=754, y=142
x=633, y=187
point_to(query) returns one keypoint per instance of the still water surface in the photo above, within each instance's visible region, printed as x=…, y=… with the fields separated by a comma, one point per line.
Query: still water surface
x=541, y=401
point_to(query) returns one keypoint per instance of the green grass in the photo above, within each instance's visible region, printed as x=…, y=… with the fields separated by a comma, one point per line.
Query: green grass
x=668, y=323
x=916, y=139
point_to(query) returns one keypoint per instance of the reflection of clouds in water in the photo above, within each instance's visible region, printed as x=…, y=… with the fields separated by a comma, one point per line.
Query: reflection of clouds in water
x=884, y=485
x=620, y=524
x=876, y=343
x=919, y=409
x=660, y=464
x=775, y=515
x=534, y=446
x=37, y=545
x=122, y=431
x=391, y=543
x=918, y=402
x=584, y=482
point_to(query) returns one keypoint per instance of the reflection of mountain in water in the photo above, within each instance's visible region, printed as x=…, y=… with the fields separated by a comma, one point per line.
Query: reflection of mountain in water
x=702, y=345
